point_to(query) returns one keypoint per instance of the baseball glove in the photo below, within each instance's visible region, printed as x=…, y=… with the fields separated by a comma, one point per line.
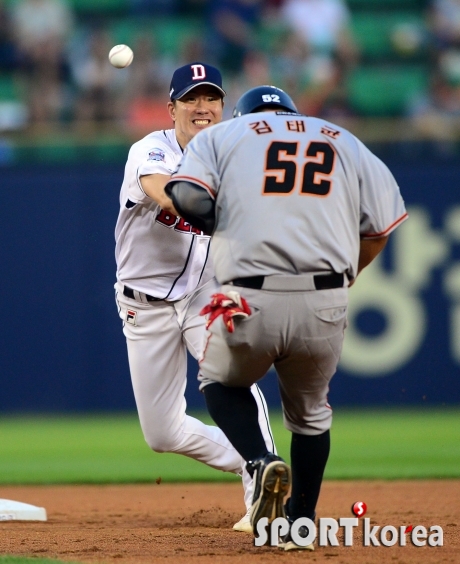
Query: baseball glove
x=228, y=305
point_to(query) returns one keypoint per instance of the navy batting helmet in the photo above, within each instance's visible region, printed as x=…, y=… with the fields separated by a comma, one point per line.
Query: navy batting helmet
x=262, y=97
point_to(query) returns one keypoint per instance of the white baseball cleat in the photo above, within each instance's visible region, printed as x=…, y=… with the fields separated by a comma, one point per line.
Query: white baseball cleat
x=291, y=545
x=287, y=543
x=244, y=524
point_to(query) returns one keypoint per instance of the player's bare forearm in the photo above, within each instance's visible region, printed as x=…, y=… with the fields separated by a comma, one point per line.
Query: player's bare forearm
x=369, y=249
x=154, y=186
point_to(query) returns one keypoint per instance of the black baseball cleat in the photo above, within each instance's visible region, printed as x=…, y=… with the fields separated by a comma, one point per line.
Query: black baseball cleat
x=272, y=479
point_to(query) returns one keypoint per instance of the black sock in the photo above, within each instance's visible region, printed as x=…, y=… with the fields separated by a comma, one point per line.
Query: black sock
x=309, y=456
x=235, y=411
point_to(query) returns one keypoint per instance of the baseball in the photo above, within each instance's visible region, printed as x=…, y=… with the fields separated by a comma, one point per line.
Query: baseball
x=121, y=56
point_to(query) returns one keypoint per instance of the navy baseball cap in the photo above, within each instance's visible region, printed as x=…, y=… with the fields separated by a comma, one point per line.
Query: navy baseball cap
x=189, y=76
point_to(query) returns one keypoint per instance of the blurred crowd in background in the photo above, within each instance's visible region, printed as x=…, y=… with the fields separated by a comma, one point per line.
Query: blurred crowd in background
x=337, y=59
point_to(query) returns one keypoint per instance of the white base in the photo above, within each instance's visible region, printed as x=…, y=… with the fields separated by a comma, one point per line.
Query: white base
x=17, y=511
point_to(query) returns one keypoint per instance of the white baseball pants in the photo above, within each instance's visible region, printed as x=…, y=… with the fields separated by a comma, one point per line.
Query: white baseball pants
x=158, y=335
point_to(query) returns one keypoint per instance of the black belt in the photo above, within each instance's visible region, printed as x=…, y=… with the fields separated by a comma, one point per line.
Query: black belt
x=322, y=281
x=129, y=293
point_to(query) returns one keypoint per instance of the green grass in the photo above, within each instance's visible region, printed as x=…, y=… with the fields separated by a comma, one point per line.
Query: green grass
x=395, y=444
x=110, y=448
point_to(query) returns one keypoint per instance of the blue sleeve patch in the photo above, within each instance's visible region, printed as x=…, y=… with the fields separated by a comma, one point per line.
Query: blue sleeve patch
x=156, y=155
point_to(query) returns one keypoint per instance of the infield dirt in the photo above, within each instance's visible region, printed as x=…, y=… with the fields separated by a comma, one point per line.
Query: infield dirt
x=191, y=523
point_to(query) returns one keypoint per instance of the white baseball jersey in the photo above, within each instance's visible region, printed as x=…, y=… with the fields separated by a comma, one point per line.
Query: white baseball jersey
x=312, y=187
x=157, y=253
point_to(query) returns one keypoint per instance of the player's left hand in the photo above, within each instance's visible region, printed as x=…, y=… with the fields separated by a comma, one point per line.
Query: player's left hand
x=228, y=305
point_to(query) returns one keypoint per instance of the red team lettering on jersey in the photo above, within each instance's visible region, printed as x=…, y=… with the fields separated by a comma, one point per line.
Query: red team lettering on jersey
x=179, y=224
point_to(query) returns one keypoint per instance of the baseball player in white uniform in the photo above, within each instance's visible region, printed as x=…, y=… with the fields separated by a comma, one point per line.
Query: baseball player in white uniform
x=297, y=207
x=164, y=278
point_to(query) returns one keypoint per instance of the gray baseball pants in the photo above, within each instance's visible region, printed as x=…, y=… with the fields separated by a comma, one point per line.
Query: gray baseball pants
x=300, y=333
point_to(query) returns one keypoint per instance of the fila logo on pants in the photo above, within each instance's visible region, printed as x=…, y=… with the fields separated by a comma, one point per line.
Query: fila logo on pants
x=131, y=316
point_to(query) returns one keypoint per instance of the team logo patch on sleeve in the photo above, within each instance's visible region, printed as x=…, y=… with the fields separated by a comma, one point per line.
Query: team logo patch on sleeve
x=156, y=155
x=131, y=315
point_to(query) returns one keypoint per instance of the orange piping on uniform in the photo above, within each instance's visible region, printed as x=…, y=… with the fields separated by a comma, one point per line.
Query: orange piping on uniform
x=382, y=234
x=208, y=189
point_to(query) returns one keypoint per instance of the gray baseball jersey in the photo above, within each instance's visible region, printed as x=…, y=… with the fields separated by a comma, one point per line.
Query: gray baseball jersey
x=312, y=187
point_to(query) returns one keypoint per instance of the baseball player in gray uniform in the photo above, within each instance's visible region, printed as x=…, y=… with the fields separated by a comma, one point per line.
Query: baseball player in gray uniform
x=297, y=207
x=164, y=278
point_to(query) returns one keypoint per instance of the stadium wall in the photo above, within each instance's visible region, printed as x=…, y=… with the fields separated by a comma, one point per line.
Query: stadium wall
x=61, y=344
